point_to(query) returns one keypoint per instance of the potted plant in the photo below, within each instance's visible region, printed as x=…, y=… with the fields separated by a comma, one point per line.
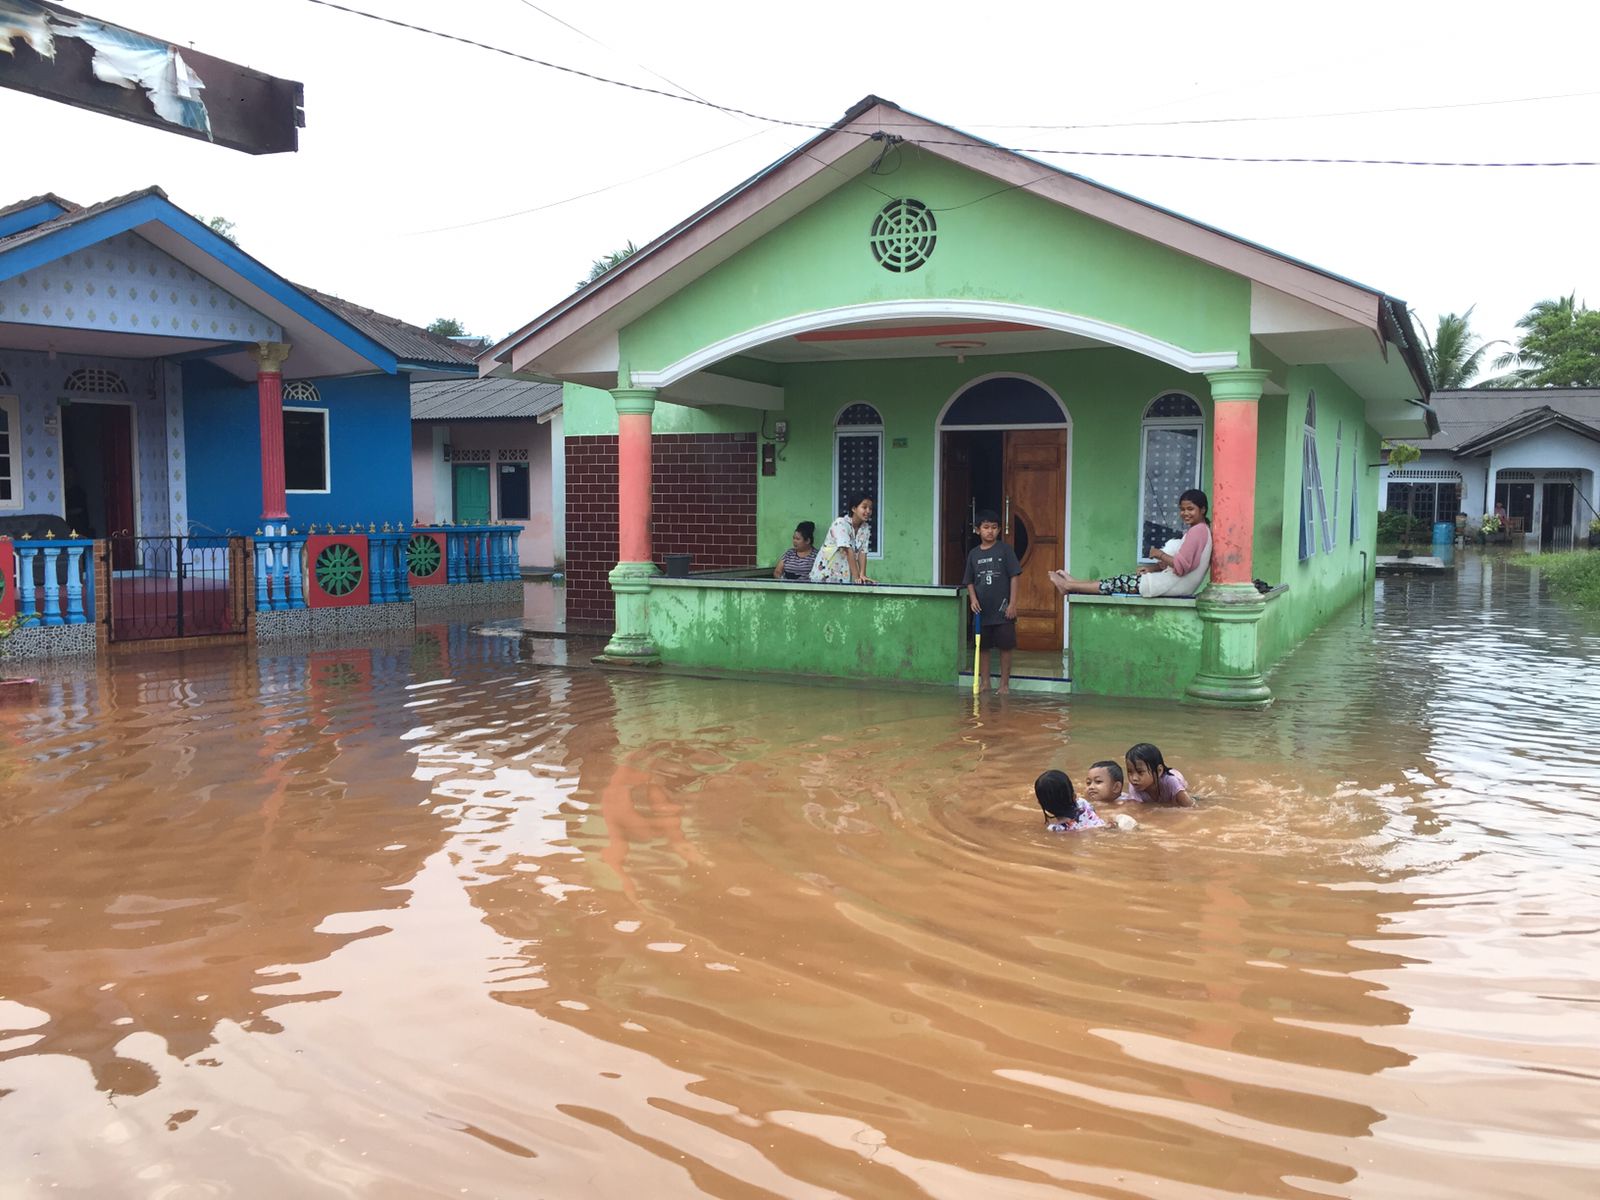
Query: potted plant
x=1491, y=527
x=1594, y=533
x=1398, y=455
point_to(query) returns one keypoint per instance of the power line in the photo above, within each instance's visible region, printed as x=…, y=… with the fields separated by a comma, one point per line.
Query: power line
x=1134, y=154
x=523, y=212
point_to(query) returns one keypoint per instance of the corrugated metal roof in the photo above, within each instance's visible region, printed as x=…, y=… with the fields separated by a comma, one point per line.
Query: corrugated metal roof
x=408, y=343
x=482, y=399
x=1467, y=415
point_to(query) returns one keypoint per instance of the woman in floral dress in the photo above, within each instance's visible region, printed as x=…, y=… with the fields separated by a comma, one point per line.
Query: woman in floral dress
x=843, y=557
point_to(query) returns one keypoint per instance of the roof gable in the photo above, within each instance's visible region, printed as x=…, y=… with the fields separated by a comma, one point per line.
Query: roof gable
x=1523, y=425
x=583, y=322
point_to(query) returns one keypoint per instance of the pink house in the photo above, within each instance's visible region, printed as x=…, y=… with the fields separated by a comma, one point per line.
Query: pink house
x=491, y=450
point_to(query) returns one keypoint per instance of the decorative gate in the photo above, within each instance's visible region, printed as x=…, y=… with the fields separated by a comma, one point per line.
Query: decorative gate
x=173, y=587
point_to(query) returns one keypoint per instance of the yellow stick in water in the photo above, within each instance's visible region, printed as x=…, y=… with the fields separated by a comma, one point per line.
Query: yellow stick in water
x=977, y=646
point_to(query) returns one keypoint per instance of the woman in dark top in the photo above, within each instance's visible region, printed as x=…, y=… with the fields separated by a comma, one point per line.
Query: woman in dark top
x=795, y=565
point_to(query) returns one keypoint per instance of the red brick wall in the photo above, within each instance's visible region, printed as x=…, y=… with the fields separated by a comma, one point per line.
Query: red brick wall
x=704, y=499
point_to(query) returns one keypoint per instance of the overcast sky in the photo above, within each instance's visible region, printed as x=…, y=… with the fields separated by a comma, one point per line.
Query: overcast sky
x=413, y=145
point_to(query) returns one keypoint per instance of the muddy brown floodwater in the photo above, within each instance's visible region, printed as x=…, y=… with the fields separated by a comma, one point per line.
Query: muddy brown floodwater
x=446, y=918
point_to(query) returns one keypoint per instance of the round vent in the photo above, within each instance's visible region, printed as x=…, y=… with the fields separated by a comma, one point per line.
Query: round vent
x=903, y=235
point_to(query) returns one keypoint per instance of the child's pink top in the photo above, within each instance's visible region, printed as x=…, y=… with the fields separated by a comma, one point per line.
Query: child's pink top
x=1166, y=789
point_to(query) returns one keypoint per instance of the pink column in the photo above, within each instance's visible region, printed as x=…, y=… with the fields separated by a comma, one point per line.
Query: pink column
x=1233, y=476
x=634, y=408
x=269, y=358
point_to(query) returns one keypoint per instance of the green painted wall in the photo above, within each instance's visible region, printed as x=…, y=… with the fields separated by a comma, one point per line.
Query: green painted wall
x=841, y=632
x=590, y=412
x=1147, y=648
x=1011, y=247
x=1325, y=581
x=1105, y=392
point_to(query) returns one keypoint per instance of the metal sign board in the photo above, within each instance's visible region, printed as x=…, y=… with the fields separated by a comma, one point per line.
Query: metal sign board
x=88, y=63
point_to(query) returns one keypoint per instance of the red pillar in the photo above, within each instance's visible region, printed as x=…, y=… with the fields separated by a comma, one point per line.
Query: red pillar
x=1236, y=395
x=634, y=408
x=269, y=358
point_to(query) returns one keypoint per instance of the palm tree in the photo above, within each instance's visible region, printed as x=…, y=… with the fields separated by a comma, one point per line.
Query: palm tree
x=1454, y=353
x=1527, y=359
x=601, y=265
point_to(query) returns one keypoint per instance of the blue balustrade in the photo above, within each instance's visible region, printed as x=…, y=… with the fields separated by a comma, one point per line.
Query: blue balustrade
x=49, y=569
x=280, y=580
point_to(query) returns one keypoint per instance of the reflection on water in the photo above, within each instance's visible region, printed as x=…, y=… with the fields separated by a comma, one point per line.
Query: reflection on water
x=448, y=917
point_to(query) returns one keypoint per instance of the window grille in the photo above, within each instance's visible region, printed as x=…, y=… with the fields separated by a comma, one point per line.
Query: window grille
x=10, y=493
x=1313, y=502
x=96, y=379
x=301, y=391
x=1440, y=474
x=858, y=464
x=1523, y=475
x=511, y=454
x=469, y=456
x=1172, y=446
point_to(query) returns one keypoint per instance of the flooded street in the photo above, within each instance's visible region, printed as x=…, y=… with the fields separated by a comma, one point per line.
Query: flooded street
x=446, y=917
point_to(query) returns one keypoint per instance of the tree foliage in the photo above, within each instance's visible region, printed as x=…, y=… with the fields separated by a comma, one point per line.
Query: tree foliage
x=447, y=327
x=1454, y=354
x=223, y=228
x=601, y=265
x=1559, y=347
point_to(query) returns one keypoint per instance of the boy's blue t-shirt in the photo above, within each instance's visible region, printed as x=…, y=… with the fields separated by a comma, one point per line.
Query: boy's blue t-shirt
x=990, y=573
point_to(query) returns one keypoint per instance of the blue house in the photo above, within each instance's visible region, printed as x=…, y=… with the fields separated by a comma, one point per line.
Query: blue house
x=158, y=381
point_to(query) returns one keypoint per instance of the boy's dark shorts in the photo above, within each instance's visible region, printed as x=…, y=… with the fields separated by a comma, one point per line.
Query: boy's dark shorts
x=1002, y=636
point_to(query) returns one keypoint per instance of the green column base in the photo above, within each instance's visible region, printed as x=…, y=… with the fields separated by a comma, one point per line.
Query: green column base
x=630, y=643
x=1230, y=671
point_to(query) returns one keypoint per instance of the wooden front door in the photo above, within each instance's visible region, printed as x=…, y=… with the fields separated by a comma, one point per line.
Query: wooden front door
x=1036, y=494
x=956, y=506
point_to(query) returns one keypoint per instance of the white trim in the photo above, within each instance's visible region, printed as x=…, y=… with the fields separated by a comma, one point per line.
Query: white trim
x=327, y=455
x=12, y=406
x=938, y=463
x=854, y=314
x=1148, y=422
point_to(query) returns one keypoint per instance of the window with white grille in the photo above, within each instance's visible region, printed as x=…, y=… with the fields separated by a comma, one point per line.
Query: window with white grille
x=1172, y=447
x=858, y=465
x=96, y=379
x=10, y=485
x=301, y=391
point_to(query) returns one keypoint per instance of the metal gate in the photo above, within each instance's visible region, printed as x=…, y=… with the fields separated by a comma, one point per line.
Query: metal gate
x=173, y=587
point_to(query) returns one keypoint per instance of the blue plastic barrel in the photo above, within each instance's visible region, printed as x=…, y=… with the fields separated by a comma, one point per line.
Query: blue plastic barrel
x=1444, y=533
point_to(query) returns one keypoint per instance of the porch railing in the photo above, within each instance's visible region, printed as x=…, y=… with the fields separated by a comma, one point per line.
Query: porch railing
x=55, y=581
x=473, y=554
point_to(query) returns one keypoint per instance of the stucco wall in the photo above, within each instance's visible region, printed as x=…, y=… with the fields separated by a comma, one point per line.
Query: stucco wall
x=503, y=441
x=369, y=443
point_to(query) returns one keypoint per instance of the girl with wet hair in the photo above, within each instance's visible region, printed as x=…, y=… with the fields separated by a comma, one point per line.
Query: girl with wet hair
x=1151, y=781
x=1066, y=813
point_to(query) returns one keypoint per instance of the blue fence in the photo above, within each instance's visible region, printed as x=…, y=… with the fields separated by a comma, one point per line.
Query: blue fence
x=473, y=554
x=55, y=581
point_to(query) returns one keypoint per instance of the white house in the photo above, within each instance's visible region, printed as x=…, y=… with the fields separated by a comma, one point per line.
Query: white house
x=1533, y=451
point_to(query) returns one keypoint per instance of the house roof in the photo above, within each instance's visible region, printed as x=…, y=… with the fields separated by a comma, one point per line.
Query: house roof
x=408, y=343
x=330, y=336
x=849, y=146
x=1472, y=420
x=483, y=399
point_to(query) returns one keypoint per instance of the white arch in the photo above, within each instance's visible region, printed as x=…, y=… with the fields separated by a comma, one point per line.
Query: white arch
x=980, y=310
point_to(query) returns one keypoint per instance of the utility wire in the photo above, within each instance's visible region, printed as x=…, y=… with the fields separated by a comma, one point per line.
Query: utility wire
x=1135, y=154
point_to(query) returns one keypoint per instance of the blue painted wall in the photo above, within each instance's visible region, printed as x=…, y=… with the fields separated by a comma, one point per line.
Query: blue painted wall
x=369, y=450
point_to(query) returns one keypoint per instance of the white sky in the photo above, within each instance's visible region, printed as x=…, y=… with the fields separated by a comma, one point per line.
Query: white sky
x=407, y=133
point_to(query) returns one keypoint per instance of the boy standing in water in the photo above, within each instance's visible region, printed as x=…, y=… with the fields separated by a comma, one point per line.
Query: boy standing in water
x=991, y=583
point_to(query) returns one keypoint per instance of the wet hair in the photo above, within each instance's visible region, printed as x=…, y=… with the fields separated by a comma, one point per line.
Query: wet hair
x=855, y=501
x=1056, y=795
x=1197, y=498
x=807, y=530
x=1111, y=768
x=986, y=516
x=1148, y=757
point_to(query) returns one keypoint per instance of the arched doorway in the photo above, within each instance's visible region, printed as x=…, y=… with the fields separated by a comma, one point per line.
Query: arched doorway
x=1003, y=447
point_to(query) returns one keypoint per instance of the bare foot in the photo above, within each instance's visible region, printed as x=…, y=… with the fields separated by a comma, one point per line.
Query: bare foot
x=1061, y=581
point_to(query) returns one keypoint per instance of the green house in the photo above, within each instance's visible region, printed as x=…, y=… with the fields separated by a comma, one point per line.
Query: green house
x=899, y=308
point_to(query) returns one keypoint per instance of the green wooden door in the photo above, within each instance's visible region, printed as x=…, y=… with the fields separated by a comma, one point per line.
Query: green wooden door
x=471, y=495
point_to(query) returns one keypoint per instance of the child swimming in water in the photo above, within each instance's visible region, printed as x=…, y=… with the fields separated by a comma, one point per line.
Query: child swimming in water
x=1104, y=783
x=1151, y=781
x=1060, y=802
